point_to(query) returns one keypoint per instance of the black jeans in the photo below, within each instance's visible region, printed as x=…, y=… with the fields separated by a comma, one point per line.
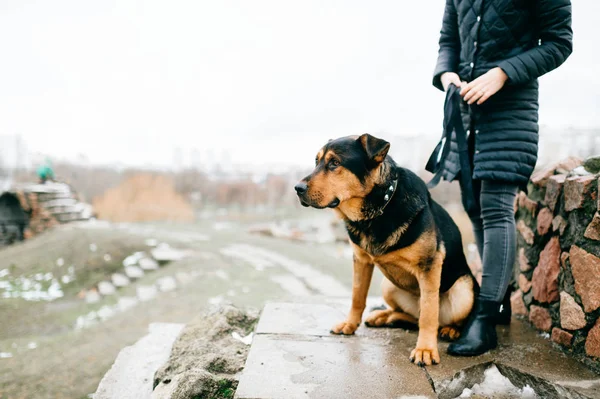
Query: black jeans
x=495, y=235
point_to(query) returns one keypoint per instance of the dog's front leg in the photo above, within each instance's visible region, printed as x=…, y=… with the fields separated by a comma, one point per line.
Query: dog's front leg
x=361, y=280
x=426, y=352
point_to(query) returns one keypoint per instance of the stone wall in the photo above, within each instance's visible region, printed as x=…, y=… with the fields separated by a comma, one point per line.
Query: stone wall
x=558, y=267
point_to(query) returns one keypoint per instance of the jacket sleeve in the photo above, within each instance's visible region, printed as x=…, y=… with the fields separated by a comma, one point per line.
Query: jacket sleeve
x=449, y=51
x=553, y=22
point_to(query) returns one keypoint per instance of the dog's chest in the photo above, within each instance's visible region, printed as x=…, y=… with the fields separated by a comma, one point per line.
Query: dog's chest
x=373, y=242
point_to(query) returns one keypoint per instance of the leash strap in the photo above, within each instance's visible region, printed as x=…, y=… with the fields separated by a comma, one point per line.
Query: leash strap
x=436, y=162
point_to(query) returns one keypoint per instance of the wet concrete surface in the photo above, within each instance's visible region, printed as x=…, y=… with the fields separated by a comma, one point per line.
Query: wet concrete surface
x=293, y=355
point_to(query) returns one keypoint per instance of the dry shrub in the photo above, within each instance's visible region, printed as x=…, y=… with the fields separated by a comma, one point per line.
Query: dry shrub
x=142, y=198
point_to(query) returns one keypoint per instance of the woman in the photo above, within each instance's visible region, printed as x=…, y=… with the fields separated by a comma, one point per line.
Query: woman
x=495, y=50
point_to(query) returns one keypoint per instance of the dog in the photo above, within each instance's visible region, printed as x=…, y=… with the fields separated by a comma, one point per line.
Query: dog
x=394, y=224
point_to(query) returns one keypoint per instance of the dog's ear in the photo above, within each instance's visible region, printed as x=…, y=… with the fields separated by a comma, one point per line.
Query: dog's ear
x=375, y=148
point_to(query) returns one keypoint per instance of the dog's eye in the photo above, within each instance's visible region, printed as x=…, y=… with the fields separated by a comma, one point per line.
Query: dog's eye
x=334, y=163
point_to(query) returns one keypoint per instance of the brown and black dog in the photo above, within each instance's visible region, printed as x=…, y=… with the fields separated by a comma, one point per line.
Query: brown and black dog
x=394, y=223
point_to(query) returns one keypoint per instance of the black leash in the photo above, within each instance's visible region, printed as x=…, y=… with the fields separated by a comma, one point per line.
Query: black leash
x=437, y=160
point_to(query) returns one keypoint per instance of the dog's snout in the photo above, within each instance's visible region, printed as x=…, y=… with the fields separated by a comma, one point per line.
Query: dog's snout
x=301, y=188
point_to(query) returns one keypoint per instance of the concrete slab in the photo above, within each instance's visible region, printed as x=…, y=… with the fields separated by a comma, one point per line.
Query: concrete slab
x=293, y=355
x=328, y=368
x=130, y=377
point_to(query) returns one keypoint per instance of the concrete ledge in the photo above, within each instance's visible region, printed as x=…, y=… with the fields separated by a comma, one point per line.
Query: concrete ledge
x=293, y=355
x=130, y=377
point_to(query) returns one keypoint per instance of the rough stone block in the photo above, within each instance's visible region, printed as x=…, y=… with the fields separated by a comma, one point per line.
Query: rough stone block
x=592, y=343
x=553, y=190
x=545, y=275
x=576, y=189
x=559, y=223
x=571, y=314
x=540, y=317
x=517, y=305
x=544, y=221
x=586, y=272
x=593, y=230
x=524, y=283
x=541, y=177
x=562, y=337
x=592, y=164
x=524, y=264
x=525, y=231
x=527, y=203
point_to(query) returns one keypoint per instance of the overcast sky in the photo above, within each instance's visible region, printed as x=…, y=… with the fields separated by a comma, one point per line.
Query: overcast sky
x=128, y=81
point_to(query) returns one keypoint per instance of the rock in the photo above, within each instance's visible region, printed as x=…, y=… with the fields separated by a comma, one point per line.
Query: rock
x=166, y=284
x=133, y=259
x=524, y=264
x=562, y=337
x=544, y=221
x=105, y=288
x=545, y=275
x=120, y=280
x=517, y=305
x=559, y=223
x=146, y=292
x=206, y=367
x=576, y=190
x=524, y=284
x=134, y=272
x=593, y=230
x=553, y=190
x=586, y=272
x=592, y=164
x=148, y=264
x=541, y=177
x=540, y=317
x=164, y=253
x=526, y=203
x=92, y=296
x=525, y=231
x=571, y=314
x=592, y=343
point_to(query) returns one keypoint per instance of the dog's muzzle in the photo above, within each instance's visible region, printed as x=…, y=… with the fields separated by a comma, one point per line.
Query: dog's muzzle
x=301, y=189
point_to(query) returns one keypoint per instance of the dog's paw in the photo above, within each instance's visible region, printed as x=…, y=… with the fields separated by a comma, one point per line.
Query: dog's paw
x=378, y=318
x=344, y=328
x=449, y=333
x=425, y=356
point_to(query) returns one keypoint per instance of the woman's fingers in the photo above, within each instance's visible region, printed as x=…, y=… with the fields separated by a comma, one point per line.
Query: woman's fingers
x=484, y=98
x=472, y=92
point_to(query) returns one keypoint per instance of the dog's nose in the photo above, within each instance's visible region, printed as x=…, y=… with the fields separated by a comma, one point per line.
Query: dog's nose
x=301, y=188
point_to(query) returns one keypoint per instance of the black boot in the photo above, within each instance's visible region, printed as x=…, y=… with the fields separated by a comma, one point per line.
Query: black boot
x=505, y=313
x=479, y=334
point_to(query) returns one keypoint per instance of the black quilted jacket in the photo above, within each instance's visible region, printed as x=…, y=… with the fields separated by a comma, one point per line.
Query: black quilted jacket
x=526, y=38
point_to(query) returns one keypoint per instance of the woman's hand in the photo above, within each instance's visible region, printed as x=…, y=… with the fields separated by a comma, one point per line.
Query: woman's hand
x=484, y=86
x=450, y=77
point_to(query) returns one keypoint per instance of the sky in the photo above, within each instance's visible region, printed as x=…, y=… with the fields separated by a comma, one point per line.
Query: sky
x=143, y=83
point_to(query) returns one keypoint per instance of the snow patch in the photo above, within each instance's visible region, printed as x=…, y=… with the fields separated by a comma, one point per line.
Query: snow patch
x=494, y=384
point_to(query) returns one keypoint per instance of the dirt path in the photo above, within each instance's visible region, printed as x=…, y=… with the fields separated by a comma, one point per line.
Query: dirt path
x=51, y=358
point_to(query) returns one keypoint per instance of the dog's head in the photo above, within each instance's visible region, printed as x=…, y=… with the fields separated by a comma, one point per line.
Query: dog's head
x=345, y=168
